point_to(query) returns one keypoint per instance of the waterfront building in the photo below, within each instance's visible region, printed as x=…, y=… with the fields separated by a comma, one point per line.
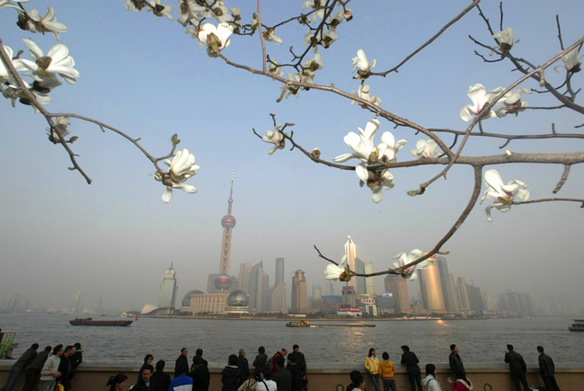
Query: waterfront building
x=350, y=253
x=237, y=303
x=168, y=289
x=329, y=288
x=431, y=288
x=244, y=273
x=462, y=294
x=299, y=295
x=368, y=305
x=279, y=298
x=209, y=303
x=447, y=282
x=398, y=287
x=349, y=296
x=331, y=304
x=360, y=284
x=186, y=300
x=516, y=304
x=369, y=281
x=386, y=304
x=259, y=288
x=476, y=299
x=279, y=270
x=316, y=292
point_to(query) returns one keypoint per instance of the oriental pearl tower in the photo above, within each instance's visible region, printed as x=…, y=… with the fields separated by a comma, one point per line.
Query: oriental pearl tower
x=223, y=282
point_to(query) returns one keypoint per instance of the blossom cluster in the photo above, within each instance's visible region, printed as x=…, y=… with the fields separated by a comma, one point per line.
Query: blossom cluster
x=181, y=168
x=509, y=103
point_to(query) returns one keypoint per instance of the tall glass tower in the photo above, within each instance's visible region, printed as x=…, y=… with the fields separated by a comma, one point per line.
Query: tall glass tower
x=168, y=288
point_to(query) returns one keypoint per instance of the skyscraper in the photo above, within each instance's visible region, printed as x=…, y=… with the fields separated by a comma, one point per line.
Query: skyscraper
x=447, y=282
x=259, y=288
x=244, y=273
x=431, y=287
x=351, y=253
x=168, y=288
x=299, y=295
x=279, y=270
x=398, y=287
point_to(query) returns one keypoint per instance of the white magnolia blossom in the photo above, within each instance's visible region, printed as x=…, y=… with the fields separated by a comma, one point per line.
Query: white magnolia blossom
x=214, y=37
x=512, y=103
x=340, y=272
x=403, y=259
x=377, y=181
x=362, y=64
x=269, y=35
x=57, y=61
x=325, y=39
x=570, y=61
x=47, y=23
x=425, y=149
x=501, y=194
x=364, y=148
x=292, y=89
x=480, y=97
x=161, y=10
x=18, y=65
x=275, y=67
x=275, y=137
x=364, y=93
x=11, y=4
x=315, y=5
x=505, y=39
x=182, y=167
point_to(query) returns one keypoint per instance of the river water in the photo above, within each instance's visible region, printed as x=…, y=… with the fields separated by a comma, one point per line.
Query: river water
x=479, y=341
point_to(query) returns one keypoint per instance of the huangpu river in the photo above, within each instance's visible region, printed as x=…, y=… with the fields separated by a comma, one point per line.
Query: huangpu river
x=479, y=341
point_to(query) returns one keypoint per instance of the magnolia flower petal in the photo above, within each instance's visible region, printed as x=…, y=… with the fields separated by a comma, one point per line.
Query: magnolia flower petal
x=167, y=195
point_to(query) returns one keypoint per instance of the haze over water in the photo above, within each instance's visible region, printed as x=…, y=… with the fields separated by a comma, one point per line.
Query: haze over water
x=480, y=341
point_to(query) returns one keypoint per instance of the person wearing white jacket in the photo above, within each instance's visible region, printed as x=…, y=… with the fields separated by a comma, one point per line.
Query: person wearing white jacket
x=50, y=371
x=430, y=380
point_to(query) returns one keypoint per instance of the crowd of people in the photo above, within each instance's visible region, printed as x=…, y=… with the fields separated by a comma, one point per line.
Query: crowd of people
x=52, y=368
x=282, y=371
x=384, y=371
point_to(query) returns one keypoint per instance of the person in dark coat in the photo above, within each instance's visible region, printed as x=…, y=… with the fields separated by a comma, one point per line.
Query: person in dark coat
x=200, y=374
x=76, y=359
x=261, y=360
x=182, y=363
x=517, y=368
x=243, y=364
x=547, y=370
x=147, y=363
x=295, y=373
x=199, y=353
x=410, y=360
x=159, y=381
x=19, y=366
x=357, y=381
x=65, y=367
x=456, y=364
x=231, y=375
x=282, y=377
x=145, y=383
x=301, y=361
x=32, y=374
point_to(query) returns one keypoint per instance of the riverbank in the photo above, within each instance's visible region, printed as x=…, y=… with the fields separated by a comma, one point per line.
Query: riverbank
x=569, y=376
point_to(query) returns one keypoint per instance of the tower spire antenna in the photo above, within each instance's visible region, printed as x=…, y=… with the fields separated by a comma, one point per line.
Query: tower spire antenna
x=230, y=201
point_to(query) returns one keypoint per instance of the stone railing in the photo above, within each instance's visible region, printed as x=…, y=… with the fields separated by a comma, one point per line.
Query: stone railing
x=94, y=376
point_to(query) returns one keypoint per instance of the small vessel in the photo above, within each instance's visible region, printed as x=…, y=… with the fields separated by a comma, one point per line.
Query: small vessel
x=578, y=325
x=93, y=322
x=305, y=323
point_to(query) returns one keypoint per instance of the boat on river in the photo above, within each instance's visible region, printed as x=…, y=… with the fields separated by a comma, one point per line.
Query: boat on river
x=94, y=322
x=578, y=325
x=305, y=323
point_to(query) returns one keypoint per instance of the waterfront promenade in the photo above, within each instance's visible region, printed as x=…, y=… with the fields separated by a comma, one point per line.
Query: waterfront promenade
x=570, y=377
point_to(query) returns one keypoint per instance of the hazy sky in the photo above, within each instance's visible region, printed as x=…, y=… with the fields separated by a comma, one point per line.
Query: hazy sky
x=145, y=76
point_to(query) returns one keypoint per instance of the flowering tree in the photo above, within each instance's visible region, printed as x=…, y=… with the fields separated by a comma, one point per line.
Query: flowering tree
x=30, y=81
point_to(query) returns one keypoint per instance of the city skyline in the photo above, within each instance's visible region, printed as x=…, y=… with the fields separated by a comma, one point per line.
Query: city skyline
x=115, y=238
